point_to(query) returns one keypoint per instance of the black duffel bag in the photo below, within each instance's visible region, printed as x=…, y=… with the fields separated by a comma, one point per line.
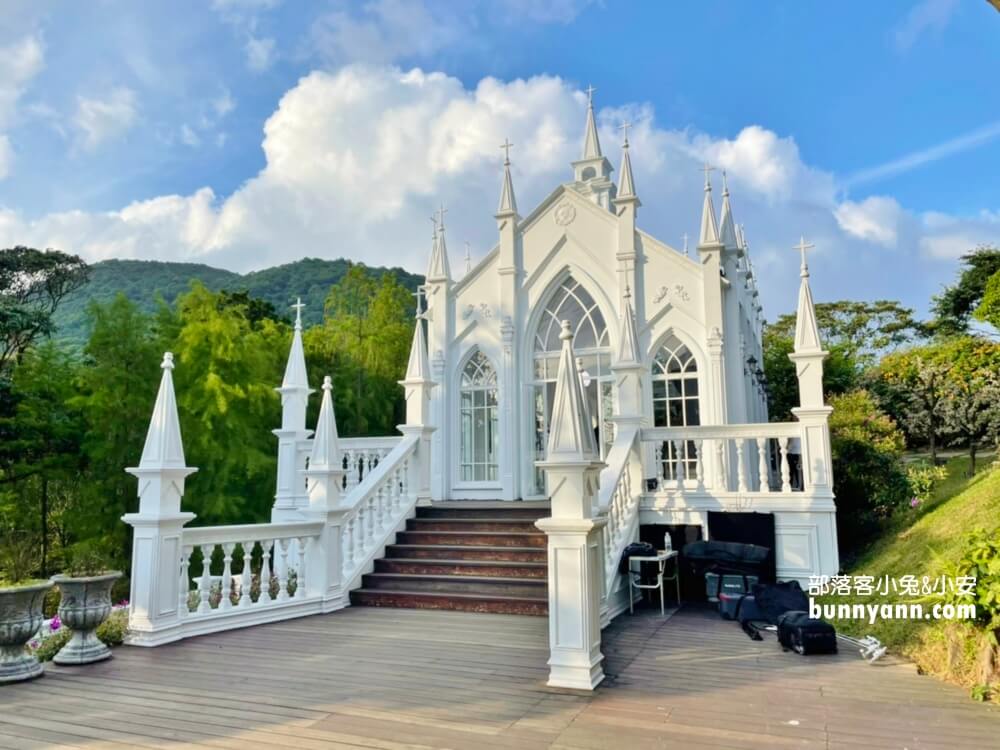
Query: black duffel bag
x=635, y=549
x=798, y=632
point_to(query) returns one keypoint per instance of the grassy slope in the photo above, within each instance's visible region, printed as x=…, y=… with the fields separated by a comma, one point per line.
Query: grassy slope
x=917, y=544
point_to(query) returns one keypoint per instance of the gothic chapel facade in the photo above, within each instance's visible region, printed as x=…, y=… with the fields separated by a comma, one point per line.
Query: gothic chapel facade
x=693, y=323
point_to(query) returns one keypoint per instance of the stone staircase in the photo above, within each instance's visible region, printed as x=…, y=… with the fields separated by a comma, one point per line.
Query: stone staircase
x=470, y=556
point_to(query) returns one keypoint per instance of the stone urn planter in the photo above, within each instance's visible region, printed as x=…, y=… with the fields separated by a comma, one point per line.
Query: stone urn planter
x=85, y=604
x=20, y=618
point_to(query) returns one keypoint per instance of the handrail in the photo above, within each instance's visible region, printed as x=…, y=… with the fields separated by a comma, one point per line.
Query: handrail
x=618, y=498
x=248, y=532
x=710, y=432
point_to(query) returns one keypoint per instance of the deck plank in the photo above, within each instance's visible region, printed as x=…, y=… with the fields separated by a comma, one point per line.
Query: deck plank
x=383, y=679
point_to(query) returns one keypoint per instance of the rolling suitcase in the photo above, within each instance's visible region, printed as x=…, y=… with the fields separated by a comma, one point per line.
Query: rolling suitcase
x=800, y=633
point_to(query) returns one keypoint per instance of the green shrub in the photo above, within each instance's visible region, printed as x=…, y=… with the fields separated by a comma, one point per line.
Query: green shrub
x=112, y=631
x=51, y=645
x=923, y=478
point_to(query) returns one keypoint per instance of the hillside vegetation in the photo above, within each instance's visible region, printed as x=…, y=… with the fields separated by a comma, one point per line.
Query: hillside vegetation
x=145, y=282
x=924, y=542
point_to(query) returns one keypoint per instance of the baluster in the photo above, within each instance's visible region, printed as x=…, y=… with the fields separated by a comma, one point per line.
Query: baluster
x=380, y=502
x=762, y=464
x=741, y=480
x=205, y=586
x=721, y=481
x=226, y=602
x=246, y=577
x=265, y=571
x=370, y=512
x=359, y=533
x=283, y=570
x=699, y=465
x=786, y=481
x=679, y=467
x=349, y=544
x=300, y=576
x=661, y=469
x=185, y=582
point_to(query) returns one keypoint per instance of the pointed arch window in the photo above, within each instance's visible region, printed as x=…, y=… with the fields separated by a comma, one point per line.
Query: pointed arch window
x=478, y=417
x=675, y=403
x=591, y=344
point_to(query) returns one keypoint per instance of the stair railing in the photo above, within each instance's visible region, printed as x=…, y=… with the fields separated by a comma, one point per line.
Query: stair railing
x=618, y=500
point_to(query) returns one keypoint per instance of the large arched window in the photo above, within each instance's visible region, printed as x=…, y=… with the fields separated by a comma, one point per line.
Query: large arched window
x=478, y=415
x=570, y=301
x=675, y=402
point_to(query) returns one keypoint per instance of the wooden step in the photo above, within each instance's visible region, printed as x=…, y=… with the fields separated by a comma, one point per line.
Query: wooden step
x=445, y=584
x=473, y=523
x=446, y=509
x=473, y=538
x=465, y=552
x=431, y=566
x=464, y=602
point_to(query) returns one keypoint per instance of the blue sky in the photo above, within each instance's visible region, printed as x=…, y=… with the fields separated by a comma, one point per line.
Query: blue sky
x=243, y=133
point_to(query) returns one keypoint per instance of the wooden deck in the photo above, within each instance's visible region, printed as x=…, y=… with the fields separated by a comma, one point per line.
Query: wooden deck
x=410, y=679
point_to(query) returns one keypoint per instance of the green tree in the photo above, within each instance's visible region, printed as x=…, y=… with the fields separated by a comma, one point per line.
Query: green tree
x=912, y=388
x=117, y=388
x=956, y=304
x=32, y=284
x=869, y=480
x=989, y=307
x=229, y=359
x=971, y=410
x=840, y=372
x=43, y=456
x=364, y=344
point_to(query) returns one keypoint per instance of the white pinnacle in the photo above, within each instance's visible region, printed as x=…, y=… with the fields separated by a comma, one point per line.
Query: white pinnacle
x=163, y=448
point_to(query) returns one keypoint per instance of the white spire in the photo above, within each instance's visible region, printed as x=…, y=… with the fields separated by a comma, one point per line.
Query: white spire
x=709, y=229
x=591, y=143
x=806, y=329
x=727, y=233
x=438, y=268
x=628, y=347
x=295, y=369
x=507, y=206
x=325, y=451
x=571, y=437
x=626, y=183
x=418, y=368
x=163, y=448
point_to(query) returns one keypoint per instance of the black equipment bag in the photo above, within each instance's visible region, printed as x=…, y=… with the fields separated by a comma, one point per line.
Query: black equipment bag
x=730, y=605
x=771, y=601
x=804, y=635
x=635, y=549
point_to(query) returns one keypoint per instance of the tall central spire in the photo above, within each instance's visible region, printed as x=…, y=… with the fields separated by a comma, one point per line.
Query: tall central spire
x=437, y=268
x=727, y=232
x=507, y=206
x=592, y=171
x=709, y=228
x=591, y=143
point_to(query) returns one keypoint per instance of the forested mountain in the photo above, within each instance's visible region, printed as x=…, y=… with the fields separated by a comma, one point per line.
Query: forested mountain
x=145, y=281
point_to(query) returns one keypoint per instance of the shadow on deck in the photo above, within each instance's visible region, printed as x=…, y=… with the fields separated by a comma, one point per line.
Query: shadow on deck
x=396, y=678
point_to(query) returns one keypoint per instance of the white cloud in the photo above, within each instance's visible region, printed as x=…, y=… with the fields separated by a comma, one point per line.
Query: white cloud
x=19, y=63
x=6, y=156
x=260, y=53
x=224, y=104
x=875, y=218
x=102, y=119
x=189, y=137
x=928, y=16
x=356, y=160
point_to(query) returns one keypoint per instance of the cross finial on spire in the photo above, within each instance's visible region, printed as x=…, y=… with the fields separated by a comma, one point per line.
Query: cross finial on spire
x=590, y=95
x=506, y=146
x=624, y=127
x=725, y=183
x=707, y=169
x=168, y=361
x=440, y=221
x=802, y=247
x=468, y=257
x=418, y=294
x=298, y=313
x=685, y=243
x=628, y=291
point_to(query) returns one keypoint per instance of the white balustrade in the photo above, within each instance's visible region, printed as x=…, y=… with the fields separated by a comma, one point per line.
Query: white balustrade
x=229, y=593
x=741, y=459
x=362, y=455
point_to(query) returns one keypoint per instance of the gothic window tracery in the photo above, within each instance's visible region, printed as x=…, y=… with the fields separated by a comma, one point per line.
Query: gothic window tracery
x=675, y=403
x=478, y=419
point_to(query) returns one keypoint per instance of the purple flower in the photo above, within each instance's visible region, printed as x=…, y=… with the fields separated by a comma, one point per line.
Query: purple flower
x=914, y=502
x=34, y=643
x=55, y=623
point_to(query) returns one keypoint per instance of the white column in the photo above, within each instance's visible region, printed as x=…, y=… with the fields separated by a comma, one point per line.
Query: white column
x=574, y=535
x=158, y=595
